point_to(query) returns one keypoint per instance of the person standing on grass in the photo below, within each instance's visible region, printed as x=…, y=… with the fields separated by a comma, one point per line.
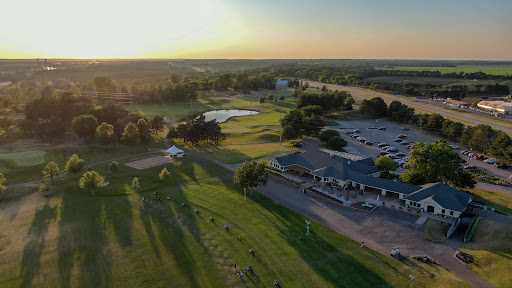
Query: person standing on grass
x=235, y=265
x=362, y=244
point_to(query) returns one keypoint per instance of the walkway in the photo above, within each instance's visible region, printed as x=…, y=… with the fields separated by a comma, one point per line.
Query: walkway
x=381, y=230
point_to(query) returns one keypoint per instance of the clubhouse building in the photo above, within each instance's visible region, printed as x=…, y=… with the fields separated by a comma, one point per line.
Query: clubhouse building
x=340, y=172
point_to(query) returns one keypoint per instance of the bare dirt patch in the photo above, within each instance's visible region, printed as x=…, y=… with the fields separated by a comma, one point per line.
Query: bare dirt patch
x=149, y=162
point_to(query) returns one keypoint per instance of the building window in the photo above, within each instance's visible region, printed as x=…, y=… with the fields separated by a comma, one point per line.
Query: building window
x=442, y=211
x=451, y=213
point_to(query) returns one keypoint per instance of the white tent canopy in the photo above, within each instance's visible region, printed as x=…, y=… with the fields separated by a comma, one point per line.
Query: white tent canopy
x=174, y=150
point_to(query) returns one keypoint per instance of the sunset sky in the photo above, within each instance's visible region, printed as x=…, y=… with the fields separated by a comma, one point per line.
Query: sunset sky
x=396, y=29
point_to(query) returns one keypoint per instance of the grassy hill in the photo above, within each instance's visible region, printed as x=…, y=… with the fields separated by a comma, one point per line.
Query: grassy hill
x=116, y=240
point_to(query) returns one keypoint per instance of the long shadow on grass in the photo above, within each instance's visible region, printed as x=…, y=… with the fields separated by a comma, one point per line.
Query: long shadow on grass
x=31, y=260
x=118, y=212
x=176, y=225
x=328, y=261
x=83, y=243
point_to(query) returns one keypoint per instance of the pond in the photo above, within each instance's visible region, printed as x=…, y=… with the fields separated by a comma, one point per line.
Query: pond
x=223, y=115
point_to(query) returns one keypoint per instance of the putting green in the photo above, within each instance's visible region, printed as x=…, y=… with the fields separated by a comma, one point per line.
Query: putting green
x=26, y=158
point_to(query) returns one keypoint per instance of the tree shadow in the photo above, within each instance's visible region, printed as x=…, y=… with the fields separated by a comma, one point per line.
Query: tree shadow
x=31, y=259
x=82, y=242
x=118, y=212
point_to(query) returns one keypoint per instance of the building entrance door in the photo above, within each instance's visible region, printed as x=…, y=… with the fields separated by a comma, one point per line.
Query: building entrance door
x=430, y=209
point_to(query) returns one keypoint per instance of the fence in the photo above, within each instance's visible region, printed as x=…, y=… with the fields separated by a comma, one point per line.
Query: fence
x=471, y=229
x=452, y=229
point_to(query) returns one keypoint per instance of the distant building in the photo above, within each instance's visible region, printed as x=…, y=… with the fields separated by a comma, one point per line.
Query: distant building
x=281, y=84
x=496, y=106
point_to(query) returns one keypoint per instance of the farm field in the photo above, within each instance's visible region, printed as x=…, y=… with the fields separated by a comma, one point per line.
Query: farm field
x=420, y=80
x=491, y=246
x=488, y=69
x=115, y=240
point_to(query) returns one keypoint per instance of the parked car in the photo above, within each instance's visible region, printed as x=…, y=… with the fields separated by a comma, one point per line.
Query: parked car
x=392, y=150
x=490, y=161
x=470, y=167
x=405, y=129
x=502, y=165
x=393, y=156
x=349, y=132
x=361, y=139
x=404, y=143
x=400, y=154
x=409, y=146
x=406, y=159
x=397, y=140
x=354, y=135
x=382, y=128
x=400, y=162
x=368, y=143
x=297, y=144
x=356, y=131
x=465, y=152
x=479, y=157
x=401, y=136
x=384, y=153
x=383, y=145
x=453, y=146
x=462, y=161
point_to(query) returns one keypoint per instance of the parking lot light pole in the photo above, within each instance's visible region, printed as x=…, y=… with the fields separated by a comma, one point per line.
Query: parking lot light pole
x=307, y=227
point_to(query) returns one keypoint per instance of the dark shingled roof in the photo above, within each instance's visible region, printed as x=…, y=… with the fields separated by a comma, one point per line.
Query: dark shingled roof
x=317, y=160
x=444, y=195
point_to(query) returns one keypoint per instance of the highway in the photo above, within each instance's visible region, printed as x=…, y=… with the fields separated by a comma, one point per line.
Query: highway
x=363, y=94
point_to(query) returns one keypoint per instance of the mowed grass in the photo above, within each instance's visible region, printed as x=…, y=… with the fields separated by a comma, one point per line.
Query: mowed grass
x=435, y=231
x=20, y=167
x=247, y=137
x=491, y=246
x=488, y=69
x=115, y=240
x=497, y=200
x=25, y=158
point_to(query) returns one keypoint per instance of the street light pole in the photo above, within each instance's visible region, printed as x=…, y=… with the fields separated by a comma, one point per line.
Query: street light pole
x=307, y=227
x=245, y=194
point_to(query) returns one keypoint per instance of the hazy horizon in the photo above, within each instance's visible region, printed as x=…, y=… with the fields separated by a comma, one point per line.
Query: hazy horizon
x=229, y=29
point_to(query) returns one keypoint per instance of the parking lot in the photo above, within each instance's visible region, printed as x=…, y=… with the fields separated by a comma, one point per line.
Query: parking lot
x=389, y=135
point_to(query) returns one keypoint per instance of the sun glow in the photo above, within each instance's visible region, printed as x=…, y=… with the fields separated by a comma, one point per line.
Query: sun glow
x=111, y=29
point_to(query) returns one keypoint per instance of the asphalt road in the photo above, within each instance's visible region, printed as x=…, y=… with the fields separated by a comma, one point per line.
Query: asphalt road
x=357, y=92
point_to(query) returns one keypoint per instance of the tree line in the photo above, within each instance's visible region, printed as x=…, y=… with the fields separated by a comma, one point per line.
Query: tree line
x=479, y=138
x=196, y=129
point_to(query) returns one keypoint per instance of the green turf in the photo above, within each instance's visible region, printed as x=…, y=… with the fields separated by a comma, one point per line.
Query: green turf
x=489, y=69
x=435, y=231
x=114, y=240
x=16, y=173
x=25, y=158
x=491, y=246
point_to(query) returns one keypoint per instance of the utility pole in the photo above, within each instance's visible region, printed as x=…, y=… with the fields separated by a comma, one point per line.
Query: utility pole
x=44, y=279
x=307, y=227
x=280, y=129
x=412, y=280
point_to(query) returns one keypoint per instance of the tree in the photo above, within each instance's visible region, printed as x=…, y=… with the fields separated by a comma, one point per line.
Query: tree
x=336, y=143
x=143, y=130
x=312, y=110
x=251, y=174
x=105, y=134
x=387, y=164
x=2, y=186
x=261, y=99
x=328, y=134
x=91, y=180
x=114, y=166
x=43, y=188
x=51, y=170
x=435, y=161
x=413, y=177
x=131, y=135
x=375, y=107
x=74, y=164
x=84, y=125
x=464, y=179
x=270, y=97
x=135, y=183
x=165, y=174
x=157, y=123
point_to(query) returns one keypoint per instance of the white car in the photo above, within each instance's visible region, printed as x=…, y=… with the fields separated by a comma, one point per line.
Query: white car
x=490, y=161
x=453, y=146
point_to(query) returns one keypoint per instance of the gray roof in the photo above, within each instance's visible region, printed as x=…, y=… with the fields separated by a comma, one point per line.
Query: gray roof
x=444, y=195
x=317, y=160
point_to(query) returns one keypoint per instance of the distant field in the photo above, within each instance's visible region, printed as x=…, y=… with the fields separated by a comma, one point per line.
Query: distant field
x=489, y=69
x=26, y=158
x=4, y=83
x=420, y=80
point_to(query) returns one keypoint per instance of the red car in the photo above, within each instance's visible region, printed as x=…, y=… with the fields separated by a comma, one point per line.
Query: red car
x=401, y=136
x=479, y=157
x=470, y=167
x=384, y=152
